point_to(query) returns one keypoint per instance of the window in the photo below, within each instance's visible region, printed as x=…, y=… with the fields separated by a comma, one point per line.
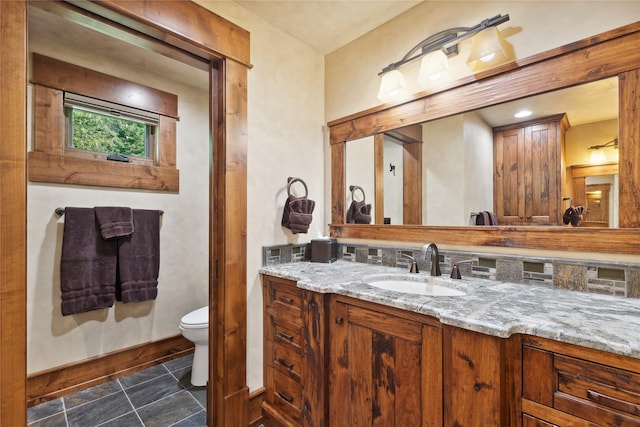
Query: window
x=81, y=116
x=98, y=128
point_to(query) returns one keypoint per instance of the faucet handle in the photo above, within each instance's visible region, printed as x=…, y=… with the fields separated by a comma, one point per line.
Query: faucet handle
x=414, y=265
x=455, y=272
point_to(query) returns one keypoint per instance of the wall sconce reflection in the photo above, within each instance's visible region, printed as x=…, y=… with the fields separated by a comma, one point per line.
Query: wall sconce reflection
x=598, y=155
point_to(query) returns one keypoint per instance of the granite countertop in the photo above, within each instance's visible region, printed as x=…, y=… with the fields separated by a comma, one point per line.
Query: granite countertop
x=491, y=307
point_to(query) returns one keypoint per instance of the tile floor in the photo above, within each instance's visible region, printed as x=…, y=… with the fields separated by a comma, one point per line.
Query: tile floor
x=160, y=396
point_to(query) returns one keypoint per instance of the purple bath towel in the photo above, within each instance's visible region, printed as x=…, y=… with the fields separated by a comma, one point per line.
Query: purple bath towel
x=87, y=265
x=139, y=259
x=114, y=221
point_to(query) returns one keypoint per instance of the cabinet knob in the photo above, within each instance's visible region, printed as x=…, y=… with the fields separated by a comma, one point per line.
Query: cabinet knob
x=339, y=320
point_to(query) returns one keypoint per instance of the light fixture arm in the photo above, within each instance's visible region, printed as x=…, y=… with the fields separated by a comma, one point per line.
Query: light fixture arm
x=446, y=40
x=613, y=143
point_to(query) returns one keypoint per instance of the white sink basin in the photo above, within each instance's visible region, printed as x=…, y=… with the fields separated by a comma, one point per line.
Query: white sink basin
x=418, y=285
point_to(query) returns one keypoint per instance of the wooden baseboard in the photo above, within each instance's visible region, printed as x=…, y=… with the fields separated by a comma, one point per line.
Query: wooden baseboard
x=255, y=407
x=53, y=383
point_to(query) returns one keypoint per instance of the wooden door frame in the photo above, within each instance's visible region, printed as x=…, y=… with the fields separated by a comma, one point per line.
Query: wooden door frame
x=192, y=28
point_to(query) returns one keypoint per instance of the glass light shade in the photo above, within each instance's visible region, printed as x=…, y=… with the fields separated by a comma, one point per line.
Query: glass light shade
x=487, y=49
x=597, y=157
x=433, y=65
x=393, y=87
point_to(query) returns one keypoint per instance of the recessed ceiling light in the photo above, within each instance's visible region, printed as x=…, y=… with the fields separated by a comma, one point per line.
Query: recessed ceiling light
x=522, y=113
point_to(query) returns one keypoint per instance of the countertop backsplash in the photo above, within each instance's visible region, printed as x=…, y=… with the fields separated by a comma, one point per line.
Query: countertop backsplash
x=607, y=278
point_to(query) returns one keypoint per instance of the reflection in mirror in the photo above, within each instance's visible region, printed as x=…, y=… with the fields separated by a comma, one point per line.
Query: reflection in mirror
x=393, y=178
x=359, y=173
x=458, y=156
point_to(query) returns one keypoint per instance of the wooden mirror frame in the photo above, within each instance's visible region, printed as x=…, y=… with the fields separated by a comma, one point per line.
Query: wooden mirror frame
x=610, y=54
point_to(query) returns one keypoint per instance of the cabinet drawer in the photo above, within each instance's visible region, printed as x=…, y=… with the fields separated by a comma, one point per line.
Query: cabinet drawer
x=287, y=360
x=287, y=333
x=596, y=392
x=287, y=395
x=285, y=296
x=529, y=421
x=593, y=392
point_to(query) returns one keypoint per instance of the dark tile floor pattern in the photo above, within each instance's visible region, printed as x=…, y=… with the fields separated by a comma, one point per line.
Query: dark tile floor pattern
x=160, y=396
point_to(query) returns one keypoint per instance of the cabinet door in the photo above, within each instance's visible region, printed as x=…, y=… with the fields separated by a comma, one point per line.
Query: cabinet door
x=384, y=370
x=541, y=173
x=508, y=176
x=474, y=379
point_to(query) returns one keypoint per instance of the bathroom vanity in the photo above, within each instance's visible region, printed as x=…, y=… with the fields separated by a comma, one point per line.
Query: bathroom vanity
x=341, y=351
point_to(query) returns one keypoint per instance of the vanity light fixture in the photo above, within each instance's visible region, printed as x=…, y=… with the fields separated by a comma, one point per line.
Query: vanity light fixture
x=487, y=47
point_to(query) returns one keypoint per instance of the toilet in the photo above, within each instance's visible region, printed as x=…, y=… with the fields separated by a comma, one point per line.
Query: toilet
x=194, y=326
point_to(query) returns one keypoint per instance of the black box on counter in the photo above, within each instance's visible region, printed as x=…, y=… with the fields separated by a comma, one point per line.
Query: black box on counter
x=324, y=250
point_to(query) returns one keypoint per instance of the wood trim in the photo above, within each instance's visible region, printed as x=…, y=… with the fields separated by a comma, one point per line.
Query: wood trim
x=578, y=171
x=609, y=54
x=610, y=240
x=256, y=398
x=63, y=380
x=628, y=143
x=54, y=168
x=48, y=112
x=68, y=77
x=13, y=213
x=338, y=194
x=378, y=178
x=183, y=24
x=53, y=161
x=230, y=242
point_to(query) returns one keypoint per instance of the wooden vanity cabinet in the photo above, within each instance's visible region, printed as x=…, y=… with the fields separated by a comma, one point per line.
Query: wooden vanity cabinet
x=528, y=171
x=385, y=366
x=566, y=385
x=294, y=361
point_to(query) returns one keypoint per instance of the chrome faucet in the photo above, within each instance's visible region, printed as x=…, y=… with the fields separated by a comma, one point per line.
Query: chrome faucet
x=435, y=258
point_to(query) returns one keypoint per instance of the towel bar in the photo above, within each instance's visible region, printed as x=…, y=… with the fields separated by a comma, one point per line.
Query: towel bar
x=60, y=211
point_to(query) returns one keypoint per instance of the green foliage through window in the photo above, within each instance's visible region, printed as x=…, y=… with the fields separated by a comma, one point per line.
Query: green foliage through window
x=103, y=133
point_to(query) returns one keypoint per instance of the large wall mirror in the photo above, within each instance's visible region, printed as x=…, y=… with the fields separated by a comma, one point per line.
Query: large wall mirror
x=458, y=159
x=588, y=90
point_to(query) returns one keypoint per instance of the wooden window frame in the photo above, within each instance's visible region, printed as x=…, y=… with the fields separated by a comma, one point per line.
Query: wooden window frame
x=51, y=160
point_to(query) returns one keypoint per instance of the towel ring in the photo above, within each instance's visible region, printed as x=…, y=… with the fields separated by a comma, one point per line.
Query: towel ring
x=292, y=180
x=353, y=189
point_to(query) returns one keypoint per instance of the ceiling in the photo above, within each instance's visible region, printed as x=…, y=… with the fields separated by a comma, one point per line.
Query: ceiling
x=327, y=25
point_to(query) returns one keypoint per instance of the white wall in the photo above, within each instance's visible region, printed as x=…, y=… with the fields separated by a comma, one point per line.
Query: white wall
x=54, y=340
x=359, y=172
x=286, y=119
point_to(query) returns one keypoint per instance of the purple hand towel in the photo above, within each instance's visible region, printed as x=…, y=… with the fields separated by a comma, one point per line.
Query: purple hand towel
x=139, y=259
x=114, y=221
x=87, y=265
x=297, y=214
